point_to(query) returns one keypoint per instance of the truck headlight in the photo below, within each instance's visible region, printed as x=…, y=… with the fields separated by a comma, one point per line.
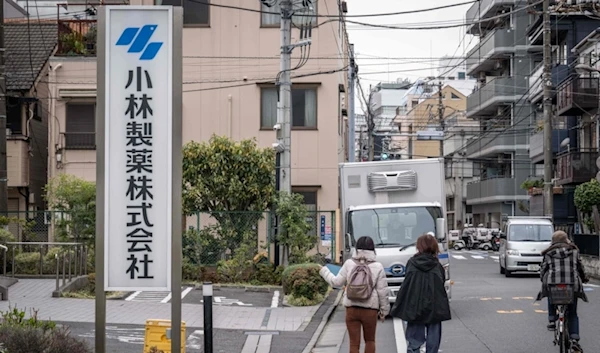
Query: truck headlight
x=512, y=252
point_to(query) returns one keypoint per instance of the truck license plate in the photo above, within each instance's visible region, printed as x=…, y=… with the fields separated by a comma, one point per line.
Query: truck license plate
x=533, y=268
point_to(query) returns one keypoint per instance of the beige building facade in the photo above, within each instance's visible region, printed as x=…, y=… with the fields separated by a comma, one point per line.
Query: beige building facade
x=230, y=61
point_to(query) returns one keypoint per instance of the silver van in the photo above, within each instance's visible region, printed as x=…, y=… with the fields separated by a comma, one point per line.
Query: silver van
x=522, y=241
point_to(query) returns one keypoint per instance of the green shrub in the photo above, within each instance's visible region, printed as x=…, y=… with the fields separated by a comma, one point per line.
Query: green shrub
x=234, y=271
x=267, y=273
x=190, y=271
x=304, y=281
x=14, y=317
x=6, y=236
x=18, y=339
x=27, y=263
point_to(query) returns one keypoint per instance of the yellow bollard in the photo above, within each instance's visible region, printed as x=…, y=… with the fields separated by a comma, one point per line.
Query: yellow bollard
x=156, y=335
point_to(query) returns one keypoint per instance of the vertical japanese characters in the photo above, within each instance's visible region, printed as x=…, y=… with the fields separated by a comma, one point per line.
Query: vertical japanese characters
x=138, y=118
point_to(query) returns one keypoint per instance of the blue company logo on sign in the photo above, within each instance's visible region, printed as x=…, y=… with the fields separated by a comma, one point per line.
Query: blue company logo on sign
x=138, y=38
x=396, y=270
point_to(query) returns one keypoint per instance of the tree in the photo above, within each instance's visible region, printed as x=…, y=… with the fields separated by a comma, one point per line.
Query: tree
x=295, y=234
x=75, y=198
x=222, y=177
x=587, y=195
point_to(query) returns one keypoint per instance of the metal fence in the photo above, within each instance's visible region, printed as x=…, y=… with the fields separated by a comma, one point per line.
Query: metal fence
x=215, y=236
x=33, y=226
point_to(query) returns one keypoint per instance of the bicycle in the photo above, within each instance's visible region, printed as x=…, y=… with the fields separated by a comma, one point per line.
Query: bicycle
x=562, y=295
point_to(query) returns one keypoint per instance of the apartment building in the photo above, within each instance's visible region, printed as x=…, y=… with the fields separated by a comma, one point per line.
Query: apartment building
x=571, y=145
x=500, y=62
x=459, y=170
x=425, y=117
x=230, y=61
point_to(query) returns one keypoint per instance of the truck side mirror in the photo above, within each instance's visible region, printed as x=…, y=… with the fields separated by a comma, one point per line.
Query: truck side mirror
x=348, y=241
x=440, y=229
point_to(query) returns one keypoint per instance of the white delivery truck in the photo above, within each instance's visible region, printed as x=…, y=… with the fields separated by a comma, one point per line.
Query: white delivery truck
x=394, y=202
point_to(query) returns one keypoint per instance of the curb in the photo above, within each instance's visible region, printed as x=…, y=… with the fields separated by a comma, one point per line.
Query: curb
x=313, y=341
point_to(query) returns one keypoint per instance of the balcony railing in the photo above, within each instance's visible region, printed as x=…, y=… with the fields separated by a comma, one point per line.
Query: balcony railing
x=559, y=74
x=576, y=167
x=577, y=95
x=500, y=188
x=500, y=90
x=487, y=10
x=536, y=144
x=76, y=38
x=492, y=142
x=496, y=44
x=80, y=140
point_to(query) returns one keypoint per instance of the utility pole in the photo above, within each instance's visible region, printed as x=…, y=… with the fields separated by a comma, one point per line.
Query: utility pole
x=351, y=113
x=370, y=127
x=547, y=85
x=285, y=97
x=441, y=116
x=3, y=162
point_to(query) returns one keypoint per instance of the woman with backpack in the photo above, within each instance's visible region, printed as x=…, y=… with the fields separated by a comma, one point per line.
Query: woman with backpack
x=366, y=296
x=422, y=300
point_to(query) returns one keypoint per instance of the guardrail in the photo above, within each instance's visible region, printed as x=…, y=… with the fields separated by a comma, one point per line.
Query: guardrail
x=73, y=257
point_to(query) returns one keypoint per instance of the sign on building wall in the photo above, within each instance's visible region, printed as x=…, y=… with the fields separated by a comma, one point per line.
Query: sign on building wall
x=138, y=148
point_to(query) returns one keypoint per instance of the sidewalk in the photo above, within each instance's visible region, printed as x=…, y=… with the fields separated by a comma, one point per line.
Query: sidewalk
x=35, y=294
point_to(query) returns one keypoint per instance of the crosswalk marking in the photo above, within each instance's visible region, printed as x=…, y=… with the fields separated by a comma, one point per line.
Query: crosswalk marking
x=459, y=257
x=478, y=257
x=474, y=254
x=155, y=297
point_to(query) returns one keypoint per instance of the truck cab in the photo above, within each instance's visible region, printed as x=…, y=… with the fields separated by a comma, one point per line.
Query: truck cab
x=394, y=202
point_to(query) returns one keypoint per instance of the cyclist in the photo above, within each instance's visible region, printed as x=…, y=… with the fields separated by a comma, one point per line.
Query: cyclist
x=562, y=265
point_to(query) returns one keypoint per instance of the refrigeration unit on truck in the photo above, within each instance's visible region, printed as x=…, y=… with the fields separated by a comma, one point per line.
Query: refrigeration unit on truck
x=394, y=202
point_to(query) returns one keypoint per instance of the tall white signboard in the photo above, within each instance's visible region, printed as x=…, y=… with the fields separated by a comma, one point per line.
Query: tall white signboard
x=138, y=166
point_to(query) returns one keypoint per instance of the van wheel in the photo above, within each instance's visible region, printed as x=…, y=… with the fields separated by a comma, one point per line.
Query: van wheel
x=456, y=247
x=502, y=271
x=486, y=248
x=508, y=273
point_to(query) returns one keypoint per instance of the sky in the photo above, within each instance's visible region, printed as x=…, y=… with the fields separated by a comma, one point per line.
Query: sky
x=396, y=46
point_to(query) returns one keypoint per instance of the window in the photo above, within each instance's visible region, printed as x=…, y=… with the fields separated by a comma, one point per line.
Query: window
x=462, y=75
x=304, y=107
x=310, y=201
x=14, y=118
x=195, y=13
x=80, y=127
x=270, y=19
x=454, y=96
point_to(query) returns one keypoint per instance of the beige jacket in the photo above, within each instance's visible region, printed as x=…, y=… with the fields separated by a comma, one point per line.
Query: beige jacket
x=379, y=298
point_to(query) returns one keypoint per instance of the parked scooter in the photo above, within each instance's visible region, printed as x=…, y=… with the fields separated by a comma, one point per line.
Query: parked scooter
x=495, y=240
x=470, y=241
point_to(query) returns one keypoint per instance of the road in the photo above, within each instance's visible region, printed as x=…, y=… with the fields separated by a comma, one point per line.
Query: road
x=490, y=313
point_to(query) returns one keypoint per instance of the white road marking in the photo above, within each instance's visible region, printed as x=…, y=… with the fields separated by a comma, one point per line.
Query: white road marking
x=477, y=257
x=132, y=296
x=399, y=333
x=590, y=285
x=275, y=300
x=495, y=257
x=459, y=257
x=194, y=341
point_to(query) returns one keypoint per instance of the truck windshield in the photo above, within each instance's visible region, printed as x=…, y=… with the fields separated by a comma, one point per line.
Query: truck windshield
x=399, y=226
x=530, y=232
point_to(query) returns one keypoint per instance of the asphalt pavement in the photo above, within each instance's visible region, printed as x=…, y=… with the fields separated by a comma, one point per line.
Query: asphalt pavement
x=490, y=313
x=237, y=297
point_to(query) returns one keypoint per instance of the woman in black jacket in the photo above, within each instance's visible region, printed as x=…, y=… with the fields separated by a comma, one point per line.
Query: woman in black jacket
x=422, y=300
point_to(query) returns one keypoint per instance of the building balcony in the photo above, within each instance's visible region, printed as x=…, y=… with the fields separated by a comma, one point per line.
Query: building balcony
x=497, y=44
x=559, y=74
x=576, y=167
x=76, y=38
x=494, y=142
x=499, y=91
x=489, y=8
x=536, y=144
x=494, y=190
x=577, y=95
x=17, y=158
